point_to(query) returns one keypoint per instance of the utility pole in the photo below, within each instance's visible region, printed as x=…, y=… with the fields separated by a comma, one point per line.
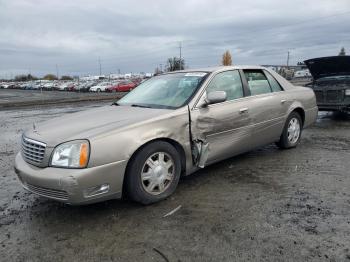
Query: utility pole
x=180, y=47
x=99, y=62
x=288, y=60
x=57, y=71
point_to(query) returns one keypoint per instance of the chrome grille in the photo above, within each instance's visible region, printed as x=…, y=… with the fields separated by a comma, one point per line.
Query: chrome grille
x=47, y=192
x=32, y=150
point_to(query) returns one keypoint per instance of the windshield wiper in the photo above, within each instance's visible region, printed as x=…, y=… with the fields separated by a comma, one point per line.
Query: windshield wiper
x=115, y=104
x=136, y=105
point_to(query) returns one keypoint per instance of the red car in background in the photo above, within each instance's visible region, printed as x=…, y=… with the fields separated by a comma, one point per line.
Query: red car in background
x=122, y=86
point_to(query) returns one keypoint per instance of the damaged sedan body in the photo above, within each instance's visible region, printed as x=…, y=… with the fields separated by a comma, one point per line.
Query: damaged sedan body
x=331, y=82
x=170, y=125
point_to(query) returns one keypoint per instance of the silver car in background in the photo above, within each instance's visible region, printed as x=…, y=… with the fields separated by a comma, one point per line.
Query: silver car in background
x=170, y=125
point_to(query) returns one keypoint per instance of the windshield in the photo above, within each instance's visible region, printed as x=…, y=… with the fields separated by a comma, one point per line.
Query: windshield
x=165, y=91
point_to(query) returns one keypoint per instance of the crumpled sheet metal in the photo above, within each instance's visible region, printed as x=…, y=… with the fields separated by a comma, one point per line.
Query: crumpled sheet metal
x=69, y=184
x=202, y=152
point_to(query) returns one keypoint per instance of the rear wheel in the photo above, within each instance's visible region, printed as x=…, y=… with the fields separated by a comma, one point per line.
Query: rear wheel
x=154, y=173
x=292, y=132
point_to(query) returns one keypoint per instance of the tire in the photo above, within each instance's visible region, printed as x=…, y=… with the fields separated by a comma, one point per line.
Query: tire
x=291, y=135
x=98, y=90
x=141, y=179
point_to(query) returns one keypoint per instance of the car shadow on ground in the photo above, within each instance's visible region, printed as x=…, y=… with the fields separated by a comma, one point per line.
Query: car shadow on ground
x=235, y=170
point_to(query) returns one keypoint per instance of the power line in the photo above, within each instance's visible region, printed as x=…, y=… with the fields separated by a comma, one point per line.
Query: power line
x=195, y=44
x=216, y=39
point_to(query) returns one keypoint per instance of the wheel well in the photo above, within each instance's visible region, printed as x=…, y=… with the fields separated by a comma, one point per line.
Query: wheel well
x=301, y=112
x=174, y=143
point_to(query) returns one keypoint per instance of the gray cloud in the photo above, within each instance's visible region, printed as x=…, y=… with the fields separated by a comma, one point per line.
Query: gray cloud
x=134, y=36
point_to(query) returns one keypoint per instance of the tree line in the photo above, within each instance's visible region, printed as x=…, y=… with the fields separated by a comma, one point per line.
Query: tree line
x=30, y=77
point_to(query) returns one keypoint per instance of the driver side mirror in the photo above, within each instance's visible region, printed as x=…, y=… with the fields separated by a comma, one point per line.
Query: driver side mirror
x=215, y=97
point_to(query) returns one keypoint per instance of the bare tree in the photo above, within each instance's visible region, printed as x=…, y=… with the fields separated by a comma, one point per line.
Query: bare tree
x=175, y=63
x=25, y=77
x=227, y=58
x=50, y=77
x=342, y=51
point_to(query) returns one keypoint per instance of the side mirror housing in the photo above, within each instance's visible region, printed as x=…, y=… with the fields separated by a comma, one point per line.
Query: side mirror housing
x=215, y=97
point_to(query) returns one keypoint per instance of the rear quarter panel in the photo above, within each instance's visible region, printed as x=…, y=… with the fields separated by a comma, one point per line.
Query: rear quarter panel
x=303, y=97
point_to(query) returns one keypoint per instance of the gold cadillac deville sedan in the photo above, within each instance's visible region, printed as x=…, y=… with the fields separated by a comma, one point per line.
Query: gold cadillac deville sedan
x=170, y=125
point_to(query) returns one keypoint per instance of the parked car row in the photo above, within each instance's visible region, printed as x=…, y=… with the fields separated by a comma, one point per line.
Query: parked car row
x=78, y=86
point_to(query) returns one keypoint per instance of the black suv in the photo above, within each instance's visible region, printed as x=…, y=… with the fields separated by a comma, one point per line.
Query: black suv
x=331, y=82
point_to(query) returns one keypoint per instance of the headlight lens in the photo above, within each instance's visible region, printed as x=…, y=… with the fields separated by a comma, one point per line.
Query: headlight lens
x=74, y=154
x=347, y=92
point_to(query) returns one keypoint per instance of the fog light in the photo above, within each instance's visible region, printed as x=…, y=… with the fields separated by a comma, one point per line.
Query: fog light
x=347, y=92
x=97, y=190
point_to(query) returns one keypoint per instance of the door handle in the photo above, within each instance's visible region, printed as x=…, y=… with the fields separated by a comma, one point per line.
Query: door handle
x=243, y=110
x=283, y=101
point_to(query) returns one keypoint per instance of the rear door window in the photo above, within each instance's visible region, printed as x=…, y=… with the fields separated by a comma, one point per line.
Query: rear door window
x=257, y=82
x=276, y=87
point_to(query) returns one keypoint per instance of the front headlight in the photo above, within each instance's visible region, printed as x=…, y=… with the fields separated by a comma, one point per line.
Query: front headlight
x=347, y=92
x=74, y=154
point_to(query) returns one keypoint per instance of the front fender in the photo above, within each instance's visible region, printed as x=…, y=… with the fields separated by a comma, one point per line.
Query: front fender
x=121, y=144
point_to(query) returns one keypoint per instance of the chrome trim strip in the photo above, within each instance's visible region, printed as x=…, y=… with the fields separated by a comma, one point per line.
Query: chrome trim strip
x=34, y=141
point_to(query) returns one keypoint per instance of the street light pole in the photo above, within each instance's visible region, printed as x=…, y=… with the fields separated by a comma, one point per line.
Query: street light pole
x=57, y=71
x=180, y=47
x=99, y=62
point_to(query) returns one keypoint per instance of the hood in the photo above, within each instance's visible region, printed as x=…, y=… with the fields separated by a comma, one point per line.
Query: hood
x=329, y=66
x=89, y=123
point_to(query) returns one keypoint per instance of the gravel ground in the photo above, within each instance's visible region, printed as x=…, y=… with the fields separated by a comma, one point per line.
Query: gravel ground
x=266, y=205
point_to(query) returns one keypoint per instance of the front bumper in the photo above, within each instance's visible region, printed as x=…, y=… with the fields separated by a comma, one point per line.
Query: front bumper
x=68, y=185
x=334, y=107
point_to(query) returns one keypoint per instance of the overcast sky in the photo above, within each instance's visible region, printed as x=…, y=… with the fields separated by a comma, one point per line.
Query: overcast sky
x=135, y=36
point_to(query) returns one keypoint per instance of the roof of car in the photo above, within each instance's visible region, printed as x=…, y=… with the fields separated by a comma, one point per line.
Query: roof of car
x=218, y=68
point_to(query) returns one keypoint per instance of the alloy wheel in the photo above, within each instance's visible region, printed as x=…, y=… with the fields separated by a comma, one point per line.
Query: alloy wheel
x=293, y=130
x=157, y=173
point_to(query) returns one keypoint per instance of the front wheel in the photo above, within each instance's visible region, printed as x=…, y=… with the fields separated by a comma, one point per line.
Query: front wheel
x=292, y=132
x=154, y=173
